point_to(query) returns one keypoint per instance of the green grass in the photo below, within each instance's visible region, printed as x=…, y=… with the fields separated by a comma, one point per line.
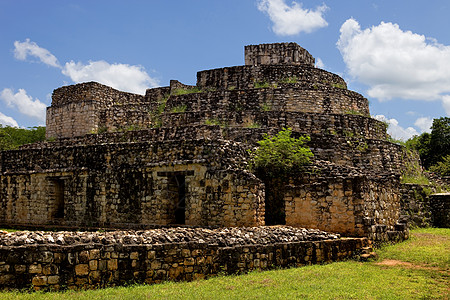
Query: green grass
x=427, y=246
x=416, y=179
x=421, y=271
x=184, y=91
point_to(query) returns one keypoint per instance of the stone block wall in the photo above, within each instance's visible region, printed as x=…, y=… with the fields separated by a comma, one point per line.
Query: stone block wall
x=75, y=108
x=269, y=99
x=246, y=77
x=72, y=119
x=93, y=91
x=93, y=265
x=270, y=121
x=440, y=209
x=335, y=199
x=131, y=183
x=279, y=53
x=415, y=205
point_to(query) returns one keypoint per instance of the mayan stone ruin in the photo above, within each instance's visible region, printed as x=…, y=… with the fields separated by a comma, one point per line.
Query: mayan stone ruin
x=176, y=160
x=178, y=154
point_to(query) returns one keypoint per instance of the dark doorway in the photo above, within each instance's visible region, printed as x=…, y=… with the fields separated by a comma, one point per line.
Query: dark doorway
x=57, y=192
x=177, y=194
x=274, y=202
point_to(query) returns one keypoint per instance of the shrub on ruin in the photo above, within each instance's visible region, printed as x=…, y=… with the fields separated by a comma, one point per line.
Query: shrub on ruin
x=442, y=167
x=281, y=153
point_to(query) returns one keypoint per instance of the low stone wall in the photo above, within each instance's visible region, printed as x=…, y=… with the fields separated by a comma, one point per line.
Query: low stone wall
x=415, y=205
x=52, y=265
x=440, y=210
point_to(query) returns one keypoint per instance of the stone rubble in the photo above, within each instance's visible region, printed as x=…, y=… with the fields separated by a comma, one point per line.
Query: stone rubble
x=223, y=237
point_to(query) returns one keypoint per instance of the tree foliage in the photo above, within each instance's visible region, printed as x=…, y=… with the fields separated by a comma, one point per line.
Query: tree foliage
x=442, y=167
x=281, y=153
x=13, y=137
x=434, y=146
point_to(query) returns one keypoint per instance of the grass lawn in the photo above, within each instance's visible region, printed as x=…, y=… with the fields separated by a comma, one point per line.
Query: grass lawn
x=415, y=269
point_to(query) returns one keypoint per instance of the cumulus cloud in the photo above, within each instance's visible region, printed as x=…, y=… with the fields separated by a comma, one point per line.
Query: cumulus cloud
x=424, y=124
x=396, y=63
x=123, y=77
x=120, y=76
x=446, y=104
x=320, y=64
x=24, y=49
x=24, y=103
x=291, y=20
x=397, y=131
x=7, y=121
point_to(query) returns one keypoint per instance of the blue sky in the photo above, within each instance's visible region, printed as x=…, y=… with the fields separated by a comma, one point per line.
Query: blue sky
x=395, y=53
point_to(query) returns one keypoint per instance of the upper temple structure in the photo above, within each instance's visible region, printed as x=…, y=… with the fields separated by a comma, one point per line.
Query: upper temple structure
x=178, y=154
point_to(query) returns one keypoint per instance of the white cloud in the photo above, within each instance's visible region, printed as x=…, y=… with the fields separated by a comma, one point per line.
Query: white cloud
x=446, y=104
x=24, y=103
x=320, y=64
x=291, y=20
x=7, y=121
x=119, y=76
x=424, y=124
x=23, y=49
x=395, y=130
x=396, y=63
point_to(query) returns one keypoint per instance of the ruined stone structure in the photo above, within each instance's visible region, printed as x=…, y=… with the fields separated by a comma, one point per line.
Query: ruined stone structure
x=178, y=154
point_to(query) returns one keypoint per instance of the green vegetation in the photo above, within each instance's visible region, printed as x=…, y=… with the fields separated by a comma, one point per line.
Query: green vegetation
x=416, y=179
x=339, y=86
x=253, y=125
x=292, y=79
x=13, y=137
x=178, y=109
x=266, y=107
x=353, y=112
x=442, y=167
x=415, y=269
x=184, y=91
x=260, y=85
x=215, y=121
x=281, y=153
x=434, y=147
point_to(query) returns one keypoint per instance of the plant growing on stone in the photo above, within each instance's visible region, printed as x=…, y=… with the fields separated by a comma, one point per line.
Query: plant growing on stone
x=281, y=153
x=292, y=79
x=215, y=121
x=266, y=107
x=184, y=91
x=178, y=109
x=339, y=86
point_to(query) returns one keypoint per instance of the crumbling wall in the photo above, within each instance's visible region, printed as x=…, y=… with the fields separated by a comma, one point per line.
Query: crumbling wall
x=338, y=199
x=277, y=53
x=268, y=99
x=130, y=183
x=247, y=77
x=440, y=209
x=75, y=108
x=101, y=264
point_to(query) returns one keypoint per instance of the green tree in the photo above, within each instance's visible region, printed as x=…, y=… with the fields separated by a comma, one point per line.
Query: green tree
x=281, y=152
x=434, y=146
x=439, y=140
x=13, y=137
x=442, y=167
